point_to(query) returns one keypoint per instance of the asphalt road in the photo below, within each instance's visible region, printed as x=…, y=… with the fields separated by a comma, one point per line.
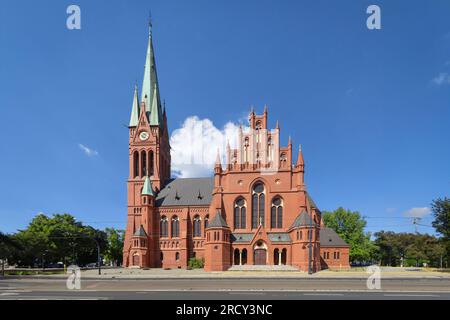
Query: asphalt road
x=223, y=289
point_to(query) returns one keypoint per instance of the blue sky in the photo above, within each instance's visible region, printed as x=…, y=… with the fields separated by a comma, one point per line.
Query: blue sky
x=370, y=108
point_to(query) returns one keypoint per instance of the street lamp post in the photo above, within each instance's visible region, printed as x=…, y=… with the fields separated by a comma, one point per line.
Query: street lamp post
x=98, y=257
x=310, y=246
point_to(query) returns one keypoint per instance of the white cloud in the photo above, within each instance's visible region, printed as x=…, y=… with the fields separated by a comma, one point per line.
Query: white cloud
x=194, y=146
x=88, y=151
x=441, y=79
x=418, y=212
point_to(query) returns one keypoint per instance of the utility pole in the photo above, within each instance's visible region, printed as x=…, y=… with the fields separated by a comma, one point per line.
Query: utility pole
x=415, y=220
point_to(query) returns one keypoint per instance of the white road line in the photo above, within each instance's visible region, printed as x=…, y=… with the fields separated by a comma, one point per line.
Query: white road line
x=323, y=294
x=411, y=295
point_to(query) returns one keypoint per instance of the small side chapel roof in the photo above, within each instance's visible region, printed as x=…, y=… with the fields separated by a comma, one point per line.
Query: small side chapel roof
x=147, y=189
x=140, y=232
x=302, y=220
x=329, y=238
x=218, y=221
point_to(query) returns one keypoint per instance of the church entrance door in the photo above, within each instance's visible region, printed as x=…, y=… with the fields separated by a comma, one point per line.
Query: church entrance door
x=135, y=260
x=260, y=256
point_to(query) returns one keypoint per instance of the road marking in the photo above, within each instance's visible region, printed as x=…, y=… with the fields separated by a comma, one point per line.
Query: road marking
x=9, y=294
x=411, y=295
x=247, y=293
x=323, y=294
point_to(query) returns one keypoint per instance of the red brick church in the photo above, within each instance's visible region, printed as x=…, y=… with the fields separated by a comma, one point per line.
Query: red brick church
x=254, y=210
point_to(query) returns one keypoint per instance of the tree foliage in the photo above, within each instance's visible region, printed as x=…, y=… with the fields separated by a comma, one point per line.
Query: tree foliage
x=350, y=226
x=409, y=249
x=114, y=251
x=441, y=213
x=59, y=238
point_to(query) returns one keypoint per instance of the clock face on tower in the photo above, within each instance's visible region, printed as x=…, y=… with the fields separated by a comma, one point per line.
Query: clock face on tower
x=143, y=135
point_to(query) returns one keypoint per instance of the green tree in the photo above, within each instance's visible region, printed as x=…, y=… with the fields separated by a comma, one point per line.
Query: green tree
x=350, y=226
x=441, y=212
x=59, y=238
x=7, y=247
x=114, y=251
x=408, y=249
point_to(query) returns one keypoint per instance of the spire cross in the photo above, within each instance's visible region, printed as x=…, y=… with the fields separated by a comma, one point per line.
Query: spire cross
x=150, y=26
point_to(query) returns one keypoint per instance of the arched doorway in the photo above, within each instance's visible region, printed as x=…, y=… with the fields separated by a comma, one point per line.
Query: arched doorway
x=276, y=256
x=244, y=256
x=283, y=256
x=236, y=257
x=135, y=260
x=260, y=253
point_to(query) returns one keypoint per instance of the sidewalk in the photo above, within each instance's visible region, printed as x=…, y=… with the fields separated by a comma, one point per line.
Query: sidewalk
x=120, y=273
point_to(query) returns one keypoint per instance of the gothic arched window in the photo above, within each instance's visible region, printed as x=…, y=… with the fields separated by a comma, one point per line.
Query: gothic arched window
x=258, y=200
x=276, y=213
x=197, y=226
x=143, y=164
x=175, y=227
x=239, y=214
x=136, y=164
x=206, y=222
x=152, y=162
x=163, y=227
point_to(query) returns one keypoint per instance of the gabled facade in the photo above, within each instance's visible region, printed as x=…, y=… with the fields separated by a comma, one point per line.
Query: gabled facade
x=255, y=209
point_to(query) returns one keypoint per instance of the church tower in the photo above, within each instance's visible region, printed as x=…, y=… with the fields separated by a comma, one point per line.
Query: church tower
x=149, y=157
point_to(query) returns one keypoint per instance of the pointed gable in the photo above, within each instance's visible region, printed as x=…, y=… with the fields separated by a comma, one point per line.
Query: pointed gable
x=218, y=221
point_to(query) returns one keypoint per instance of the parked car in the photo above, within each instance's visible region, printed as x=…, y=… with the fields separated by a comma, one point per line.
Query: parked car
x=92, y=265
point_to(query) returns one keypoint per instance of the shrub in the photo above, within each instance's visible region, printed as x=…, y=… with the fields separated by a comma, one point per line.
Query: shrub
x=195, y=263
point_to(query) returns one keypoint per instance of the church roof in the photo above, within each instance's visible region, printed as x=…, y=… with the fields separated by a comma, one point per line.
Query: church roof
x=329, y=238
x=186, y=192
x=241, y=237
x=302, y=220
x=311, y=201
x=140, y=232
x=279, y=237
x=218, y=221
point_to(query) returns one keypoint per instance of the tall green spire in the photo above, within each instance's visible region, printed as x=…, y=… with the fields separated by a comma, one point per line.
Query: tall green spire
x=150, y=88
x=134, y=119
x=147, y=189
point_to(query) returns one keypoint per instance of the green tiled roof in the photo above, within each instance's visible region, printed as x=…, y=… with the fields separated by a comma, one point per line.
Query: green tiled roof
x=241, y=237
x=147, y=189
x=279, y=237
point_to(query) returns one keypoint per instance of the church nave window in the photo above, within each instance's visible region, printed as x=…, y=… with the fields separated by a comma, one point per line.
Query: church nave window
x=239, y=214
x=163, y=227
x=197, y=226
x=175, y=227
x=258, y=201
x=276, y=213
